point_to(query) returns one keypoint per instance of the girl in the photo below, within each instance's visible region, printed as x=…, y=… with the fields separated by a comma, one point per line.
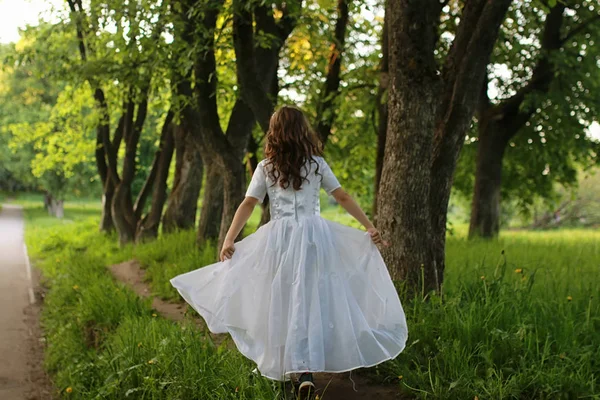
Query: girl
x=301, y=294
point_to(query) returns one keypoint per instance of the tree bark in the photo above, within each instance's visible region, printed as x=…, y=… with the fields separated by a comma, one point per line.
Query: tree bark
x=428, y=116
x=183, y=201
x=106, y=220
x=212, y=206
x=485, y=209
x=233, y=193
x=124, y=215
x=148, y=226
x=382, y=111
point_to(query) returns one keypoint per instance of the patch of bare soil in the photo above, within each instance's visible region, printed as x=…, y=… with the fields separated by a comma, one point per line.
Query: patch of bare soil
x=39, y=384
x=132, y=274
x=329, y=386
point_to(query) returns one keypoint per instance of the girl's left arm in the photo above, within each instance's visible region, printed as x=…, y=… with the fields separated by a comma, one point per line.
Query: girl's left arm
x=240, y=218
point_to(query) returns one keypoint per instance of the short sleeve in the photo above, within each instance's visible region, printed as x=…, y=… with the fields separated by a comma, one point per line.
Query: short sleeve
x=329, y=182
x=258, y=184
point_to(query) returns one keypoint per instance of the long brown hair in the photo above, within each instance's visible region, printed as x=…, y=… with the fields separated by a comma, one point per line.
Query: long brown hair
x=290, y=143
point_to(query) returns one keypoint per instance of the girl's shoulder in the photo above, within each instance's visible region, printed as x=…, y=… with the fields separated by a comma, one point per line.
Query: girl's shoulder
x=264, y=163
x=320, y=160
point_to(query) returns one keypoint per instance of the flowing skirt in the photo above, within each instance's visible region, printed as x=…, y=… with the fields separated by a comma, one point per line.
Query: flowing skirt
x=302, y=295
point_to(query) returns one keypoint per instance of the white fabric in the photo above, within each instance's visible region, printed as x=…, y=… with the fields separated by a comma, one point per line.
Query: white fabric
x=301, y=293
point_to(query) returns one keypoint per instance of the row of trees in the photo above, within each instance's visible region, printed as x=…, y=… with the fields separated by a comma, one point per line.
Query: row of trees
x=453, y=95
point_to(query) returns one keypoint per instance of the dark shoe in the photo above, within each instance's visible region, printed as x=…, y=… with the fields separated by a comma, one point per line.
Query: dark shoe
x=306, y=386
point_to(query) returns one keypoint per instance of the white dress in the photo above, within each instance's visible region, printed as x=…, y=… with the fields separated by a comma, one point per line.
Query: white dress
x=301, y=293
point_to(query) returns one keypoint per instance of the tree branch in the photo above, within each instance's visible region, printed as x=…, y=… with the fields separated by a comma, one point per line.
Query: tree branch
x=325, y=110
x=542, y=76
x=466, y=69
x=579, y=28
x=79, y=28
x=468, y=25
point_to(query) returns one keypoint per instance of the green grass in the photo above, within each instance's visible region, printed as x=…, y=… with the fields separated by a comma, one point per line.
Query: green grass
x=103, y=341
x=530, y=329
x=519, y=319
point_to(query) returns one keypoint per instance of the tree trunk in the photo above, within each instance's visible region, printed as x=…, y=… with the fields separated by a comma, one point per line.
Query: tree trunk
x=148, y=226
x=485, y=209
x=428, y=115
x=183, y=200
x=58, y=208
x=212, y=206
x=106, y=219
x=48, y=202
x=233, y=194
x=123, y=215
x=407, y=223
x=382, y=109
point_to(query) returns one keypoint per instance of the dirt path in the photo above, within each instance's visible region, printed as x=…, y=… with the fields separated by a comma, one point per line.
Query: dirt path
x=21, y=350
x=335, y=386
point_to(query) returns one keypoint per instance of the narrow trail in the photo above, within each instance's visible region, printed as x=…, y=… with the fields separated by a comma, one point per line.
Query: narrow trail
x=331, y=386
x=21, y=349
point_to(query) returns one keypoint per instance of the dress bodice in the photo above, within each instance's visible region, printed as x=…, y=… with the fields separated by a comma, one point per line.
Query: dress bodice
x=290, y=203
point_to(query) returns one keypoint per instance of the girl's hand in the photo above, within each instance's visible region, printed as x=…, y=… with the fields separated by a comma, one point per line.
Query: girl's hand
x=376, y=237
x=227, y=250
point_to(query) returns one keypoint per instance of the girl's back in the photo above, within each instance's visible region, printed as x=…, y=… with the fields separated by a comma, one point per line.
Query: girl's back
x=289, y=202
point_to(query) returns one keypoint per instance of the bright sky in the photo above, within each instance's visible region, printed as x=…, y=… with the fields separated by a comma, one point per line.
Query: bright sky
x=15, y=14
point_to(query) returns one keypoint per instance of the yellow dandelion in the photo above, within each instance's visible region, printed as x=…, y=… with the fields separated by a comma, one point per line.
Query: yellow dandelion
x=482, y=277
x=151, y=361
x=519, y=271
x=562, y=355
x=75, y=287
x=569, y=298
x=400, y=377
x=69, y=389
x=154, y=315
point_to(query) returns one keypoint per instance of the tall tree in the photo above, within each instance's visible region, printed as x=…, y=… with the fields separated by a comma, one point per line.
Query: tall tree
x=546, y=107
x=80, y=20
x=140, y=45
x=430, y=110
x=222, y=152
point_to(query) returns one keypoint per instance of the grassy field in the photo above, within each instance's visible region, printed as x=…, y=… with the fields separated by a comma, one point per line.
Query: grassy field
x=518, y=319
